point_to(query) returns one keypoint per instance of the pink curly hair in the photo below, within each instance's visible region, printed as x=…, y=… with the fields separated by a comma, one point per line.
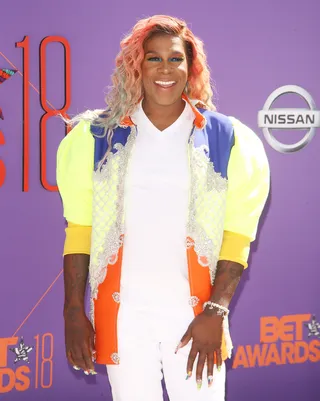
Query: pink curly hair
x=127, y=90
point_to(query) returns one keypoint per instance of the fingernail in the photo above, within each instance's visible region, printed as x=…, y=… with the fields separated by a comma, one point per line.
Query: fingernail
x=199, y=384
x=93, y=372
x=75, y=367
x=189, y=374
x=219, y=368
x=178, y=347
x=86, y=372
x=210, y=381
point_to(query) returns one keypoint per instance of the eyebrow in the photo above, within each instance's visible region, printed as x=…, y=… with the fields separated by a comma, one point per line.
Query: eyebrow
x=173, y=52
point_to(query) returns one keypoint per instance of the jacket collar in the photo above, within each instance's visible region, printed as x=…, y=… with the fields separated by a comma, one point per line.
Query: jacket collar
x=199, y=120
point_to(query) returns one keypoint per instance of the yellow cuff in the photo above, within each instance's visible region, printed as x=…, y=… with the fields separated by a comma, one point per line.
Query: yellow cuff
x=78, y=239
x=235, y=247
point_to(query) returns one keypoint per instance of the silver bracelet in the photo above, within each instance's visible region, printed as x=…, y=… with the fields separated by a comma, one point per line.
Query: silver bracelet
x=221, y=310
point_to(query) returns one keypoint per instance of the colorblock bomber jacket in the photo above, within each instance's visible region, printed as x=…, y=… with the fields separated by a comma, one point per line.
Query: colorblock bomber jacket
x=229, y=186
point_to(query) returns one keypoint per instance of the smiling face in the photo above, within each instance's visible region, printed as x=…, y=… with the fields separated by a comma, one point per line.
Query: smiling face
x=164, y=70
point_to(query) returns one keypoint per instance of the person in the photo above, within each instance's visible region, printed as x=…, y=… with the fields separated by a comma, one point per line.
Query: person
x=162, y=196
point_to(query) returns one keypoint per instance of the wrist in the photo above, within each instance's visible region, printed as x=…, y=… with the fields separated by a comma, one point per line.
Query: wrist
x=213, y=308
x=71, y=310
x=220, y=299
x=212, y=313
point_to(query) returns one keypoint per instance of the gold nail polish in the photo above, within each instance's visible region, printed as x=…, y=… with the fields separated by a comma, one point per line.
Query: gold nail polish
x=189, y=374
x=199, y=384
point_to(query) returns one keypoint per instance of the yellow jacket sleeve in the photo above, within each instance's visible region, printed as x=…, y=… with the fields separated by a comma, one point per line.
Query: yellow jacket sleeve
x=75, y=165
x=248, y=189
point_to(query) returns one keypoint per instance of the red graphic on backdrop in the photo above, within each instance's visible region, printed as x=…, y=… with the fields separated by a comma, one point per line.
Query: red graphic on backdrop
x=48, y=108
x=5, y=74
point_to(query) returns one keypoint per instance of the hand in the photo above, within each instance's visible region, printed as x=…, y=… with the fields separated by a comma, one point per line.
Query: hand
x=79, y=340
x=206, y=332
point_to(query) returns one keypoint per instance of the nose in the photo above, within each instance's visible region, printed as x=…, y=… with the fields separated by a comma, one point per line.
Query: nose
x=165, y=67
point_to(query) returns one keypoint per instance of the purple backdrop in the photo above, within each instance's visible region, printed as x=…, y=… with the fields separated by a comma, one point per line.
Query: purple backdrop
x=253, y=48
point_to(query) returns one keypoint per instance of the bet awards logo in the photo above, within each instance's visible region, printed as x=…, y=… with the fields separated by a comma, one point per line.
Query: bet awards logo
x=24, y=366
x=286, y=340
x=21, y=352
x=269, y=119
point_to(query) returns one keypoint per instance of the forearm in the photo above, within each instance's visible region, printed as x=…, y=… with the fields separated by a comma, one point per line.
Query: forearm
x=76, y=268
x=226, y=281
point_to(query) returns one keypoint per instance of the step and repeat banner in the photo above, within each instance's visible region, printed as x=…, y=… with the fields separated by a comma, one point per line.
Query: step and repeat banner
x=57, y=58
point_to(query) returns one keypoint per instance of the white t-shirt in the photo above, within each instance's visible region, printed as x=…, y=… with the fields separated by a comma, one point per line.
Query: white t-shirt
x=154, y=268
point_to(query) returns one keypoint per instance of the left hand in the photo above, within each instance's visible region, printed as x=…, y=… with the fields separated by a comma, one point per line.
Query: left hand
x=206, y=332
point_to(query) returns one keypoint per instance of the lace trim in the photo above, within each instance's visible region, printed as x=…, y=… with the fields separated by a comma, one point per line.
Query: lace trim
x=227, y=336
x=115, y=358
x=205, y=220
x=108, y=212
x=116, y=297
x=193, y=301
x=91, y=313
x=206, y=208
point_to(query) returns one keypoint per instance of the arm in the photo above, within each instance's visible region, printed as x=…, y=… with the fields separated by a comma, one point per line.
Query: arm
x=74, y=179
x=227, y=279
x=79, y=333
x=233, y=258
x=249, y=183
x=76, y=269
x=248, y=188
x=75, y=272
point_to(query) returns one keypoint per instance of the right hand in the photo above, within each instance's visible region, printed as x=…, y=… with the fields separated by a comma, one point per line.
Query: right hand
x=79, y=339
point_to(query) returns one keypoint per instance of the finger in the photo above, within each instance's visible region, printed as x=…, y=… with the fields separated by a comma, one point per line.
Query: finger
x=219, y=359
x=92, y=347
x=87, y=357
x=77, y=356
x=71, y=361
x=191, y=358
x=200, y=366
x=184, y=340
x=210, y=365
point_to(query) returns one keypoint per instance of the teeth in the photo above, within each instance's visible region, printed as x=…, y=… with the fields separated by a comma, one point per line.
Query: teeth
x=165, y=83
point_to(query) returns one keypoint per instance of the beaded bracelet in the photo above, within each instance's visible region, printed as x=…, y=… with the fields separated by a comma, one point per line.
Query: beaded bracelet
x=221, y=309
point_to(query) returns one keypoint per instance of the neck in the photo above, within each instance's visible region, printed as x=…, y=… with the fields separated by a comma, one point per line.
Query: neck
x=163, y=116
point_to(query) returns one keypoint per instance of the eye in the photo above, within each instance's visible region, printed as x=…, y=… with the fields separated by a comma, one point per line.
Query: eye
x=154, y=58
x=177, y=59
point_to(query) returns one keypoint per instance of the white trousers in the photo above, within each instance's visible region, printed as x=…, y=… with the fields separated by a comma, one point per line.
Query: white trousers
x=146, y=347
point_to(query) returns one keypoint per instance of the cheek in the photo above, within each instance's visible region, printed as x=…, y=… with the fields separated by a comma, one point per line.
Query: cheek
x=146, y=75
x=183, y=71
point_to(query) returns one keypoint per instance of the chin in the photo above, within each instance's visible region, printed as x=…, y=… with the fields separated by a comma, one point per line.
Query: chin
x=167, y=101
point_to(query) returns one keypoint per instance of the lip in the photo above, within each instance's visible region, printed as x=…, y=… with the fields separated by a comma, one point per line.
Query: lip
x=165, y=86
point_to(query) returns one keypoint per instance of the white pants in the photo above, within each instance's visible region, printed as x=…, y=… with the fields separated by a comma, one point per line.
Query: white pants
x=146, y=346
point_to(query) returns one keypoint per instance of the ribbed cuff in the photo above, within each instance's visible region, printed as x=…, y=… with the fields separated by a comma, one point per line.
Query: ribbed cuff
x=235, y=247
x=78, y=239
